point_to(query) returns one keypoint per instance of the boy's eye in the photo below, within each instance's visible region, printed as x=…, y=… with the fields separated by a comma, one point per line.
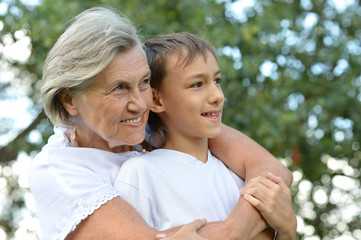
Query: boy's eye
x=217, y=81
x=197, y=85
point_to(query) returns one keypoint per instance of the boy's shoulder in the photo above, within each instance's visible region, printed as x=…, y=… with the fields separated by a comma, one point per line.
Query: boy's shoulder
x=145, y=159
x=137, y=159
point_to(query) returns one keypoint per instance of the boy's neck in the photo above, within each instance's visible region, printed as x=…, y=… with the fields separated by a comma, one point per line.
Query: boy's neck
x=196, y=147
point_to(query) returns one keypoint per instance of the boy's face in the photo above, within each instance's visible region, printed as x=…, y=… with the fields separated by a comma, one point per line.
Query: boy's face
x=191, y=97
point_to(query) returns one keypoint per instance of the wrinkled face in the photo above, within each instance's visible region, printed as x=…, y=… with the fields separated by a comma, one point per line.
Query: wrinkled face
x=114, y=109
x=192, y=97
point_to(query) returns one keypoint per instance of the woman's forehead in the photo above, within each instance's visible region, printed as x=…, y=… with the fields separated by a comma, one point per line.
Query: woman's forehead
x=131, y=65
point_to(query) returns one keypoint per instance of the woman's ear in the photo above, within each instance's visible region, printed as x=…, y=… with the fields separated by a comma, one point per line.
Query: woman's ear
x=68, y=102
x=157, y=105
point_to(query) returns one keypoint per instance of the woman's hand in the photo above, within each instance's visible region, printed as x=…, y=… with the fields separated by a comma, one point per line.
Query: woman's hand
x=188, y=231
x=272, y=198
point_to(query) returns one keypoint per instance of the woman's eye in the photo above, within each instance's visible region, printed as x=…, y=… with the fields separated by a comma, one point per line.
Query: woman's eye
x=144, y=84
x=146, y=81
x=119, y=87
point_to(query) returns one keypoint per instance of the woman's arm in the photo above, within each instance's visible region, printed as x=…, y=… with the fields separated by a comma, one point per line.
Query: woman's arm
x=187, y=232
x=118, y=220
x=247, y=159
x=272, y=198
x=114, y=220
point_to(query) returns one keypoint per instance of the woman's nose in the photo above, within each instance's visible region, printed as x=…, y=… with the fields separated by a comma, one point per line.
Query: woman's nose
x=137, y=102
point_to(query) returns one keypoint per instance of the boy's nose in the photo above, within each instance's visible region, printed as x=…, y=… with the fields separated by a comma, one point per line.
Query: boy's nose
x=216, y=95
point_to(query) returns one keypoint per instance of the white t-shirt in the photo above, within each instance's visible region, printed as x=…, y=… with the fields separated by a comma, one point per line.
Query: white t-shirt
x=69, y=184
x=170, y=188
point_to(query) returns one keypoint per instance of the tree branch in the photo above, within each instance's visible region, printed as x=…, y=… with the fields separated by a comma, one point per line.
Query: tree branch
x=9, y=152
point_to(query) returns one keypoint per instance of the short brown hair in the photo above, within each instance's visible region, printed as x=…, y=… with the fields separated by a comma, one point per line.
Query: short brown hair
x=158, y=50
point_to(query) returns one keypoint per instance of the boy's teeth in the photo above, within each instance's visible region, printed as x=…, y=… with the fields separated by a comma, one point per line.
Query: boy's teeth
x=210, y=114
x=133, y=120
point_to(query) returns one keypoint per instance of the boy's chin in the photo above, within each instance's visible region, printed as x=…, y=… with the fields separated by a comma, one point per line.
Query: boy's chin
x=215, y=133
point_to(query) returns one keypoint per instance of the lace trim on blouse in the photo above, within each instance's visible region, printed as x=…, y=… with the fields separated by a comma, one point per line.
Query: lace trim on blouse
x=86, y=210
x=89, y=207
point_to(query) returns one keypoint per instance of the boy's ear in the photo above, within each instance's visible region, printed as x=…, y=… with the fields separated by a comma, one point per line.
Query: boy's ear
x=158, y=105
x=68, y=102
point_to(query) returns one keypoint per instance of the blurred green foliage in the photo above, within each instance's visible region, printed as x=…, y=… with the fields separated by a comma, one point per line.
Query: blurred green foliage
x=291, y=75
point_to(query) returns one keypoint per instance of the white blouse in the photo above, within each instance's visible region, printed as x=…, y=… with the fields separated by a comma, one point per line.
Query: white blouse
x=69, y=184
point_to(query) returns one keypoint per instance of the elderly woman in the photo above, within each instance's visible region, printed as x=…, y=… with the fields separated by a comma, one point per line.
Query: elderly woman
x=97, y=94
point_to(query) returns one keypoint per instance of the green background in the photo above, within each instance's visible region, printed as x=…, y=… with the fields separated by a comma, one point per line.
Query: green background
x=291, y=77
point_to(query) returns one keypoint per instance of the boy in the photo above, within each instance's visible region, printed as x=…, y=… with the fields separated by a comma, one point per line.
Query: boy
x=183, y=180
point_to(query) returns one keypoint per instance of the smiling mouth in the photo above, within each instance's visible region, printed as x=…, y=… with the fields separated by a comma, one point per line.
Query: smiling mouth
x=134, y=120
x=210, y=114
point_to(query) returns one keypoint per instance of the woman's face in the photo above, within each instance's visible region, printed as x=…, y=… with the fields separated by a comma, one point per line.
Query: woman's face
x=114, y=109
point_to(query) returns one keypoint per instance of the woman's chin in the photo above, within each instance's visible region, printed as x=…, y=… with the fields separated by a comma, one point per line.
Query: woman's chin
x=135, y=140
x=131, y=140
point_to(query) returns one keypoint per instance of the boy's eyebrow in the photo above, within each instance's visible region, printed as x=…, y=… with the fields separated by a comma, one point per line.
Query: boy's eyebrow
x=200, y=75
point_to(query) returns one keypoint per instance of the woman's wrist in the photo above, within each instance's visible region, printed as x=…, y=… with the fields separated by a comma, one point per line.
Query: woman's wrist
x=285, y=236
x=221, y=230
x=290, y=233
x=229, y=231
x=243, y=228
x=247, y=222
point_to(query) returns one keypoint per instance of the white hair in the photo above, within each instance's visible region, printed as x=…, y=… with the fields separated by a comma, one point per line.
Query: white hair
x=86, y=47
